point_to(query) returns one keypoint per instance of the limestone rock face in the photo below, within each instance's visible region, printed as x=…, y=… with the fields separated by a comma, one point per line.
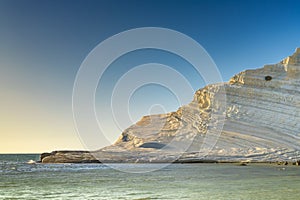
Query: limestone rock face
x=257, y=121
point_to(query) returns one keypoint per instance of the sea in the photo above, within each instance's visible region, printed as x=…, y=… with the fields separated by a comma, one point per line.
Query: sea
x=21, y=178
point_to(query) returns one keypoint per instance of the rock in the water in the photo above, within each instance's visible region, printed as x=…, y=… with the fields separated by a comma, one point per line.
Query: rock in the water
x=260, y=116
x=68, y=157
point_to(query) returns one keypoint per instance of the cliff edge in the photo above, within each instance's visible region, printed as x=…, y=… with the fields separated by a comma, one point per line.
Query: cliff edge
x=258, y=121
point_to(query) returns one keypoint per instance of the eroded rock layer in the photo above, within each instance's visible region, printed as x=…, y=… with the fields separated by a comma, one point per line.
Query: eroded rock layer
x=253, y=117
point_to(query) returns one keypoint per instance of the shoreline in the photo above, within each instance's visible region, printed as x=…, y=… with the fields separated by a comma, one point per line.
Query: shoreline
x=290, y=164
x=76, y=160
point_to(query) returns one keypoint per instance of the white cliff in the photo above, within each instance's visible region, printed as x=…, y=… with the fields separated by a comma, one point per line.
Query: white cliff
x=259, y=121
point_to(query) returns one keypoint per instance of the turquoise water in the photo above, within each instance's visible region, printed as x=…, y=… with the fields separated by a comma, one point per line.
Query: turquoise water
x=19, y=180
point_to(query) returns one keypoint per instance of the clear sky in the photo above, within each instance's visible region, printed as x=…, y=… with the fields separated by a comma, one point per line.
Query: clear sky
x=43, y=43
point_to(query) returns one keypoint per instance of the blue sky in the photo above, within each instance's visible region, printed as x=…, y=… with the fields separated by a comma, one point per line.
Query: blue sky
x=43, y=43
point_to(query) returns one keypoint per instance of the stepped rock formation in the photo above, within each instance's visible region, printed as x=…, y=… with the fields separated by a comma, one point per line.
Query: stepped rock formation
x=258, y=121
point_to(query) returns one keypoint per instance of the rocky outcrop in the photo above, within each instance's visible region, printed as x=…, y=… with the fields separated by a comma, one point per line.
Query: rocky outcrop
x=68, y=157
x=258, y=121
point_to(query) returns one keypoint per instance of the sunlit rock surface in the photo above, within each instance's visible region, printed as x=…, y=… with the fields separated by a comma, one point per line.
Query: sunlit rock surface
x=257, y=121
